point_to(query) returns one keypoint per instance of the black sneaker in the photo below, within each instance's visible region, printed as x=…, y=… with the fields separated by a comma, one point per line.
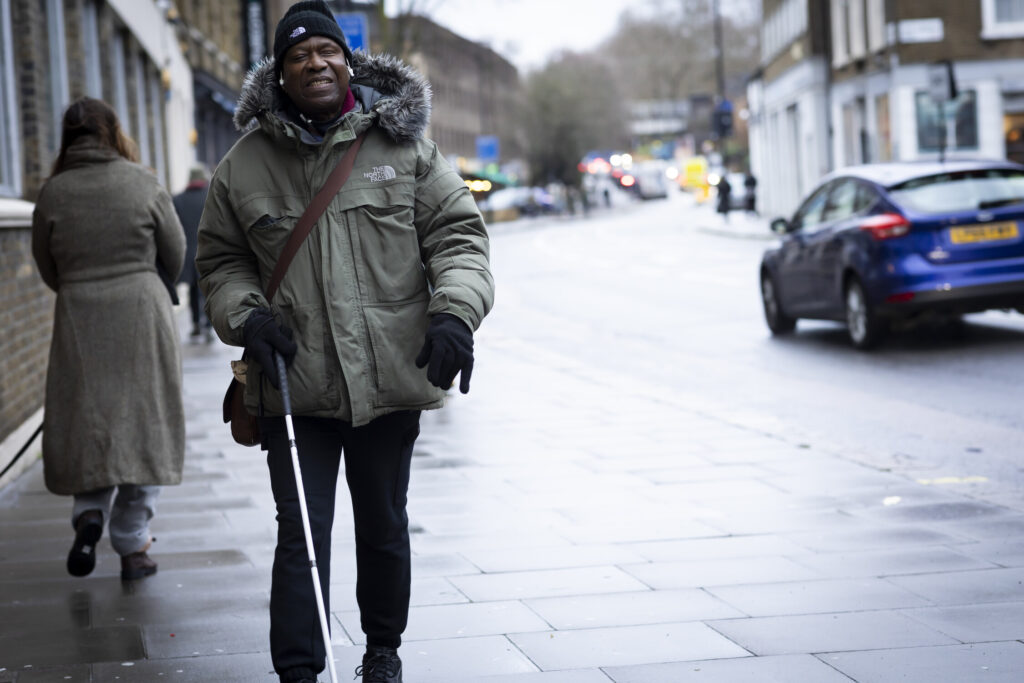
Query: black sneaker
x=300, y=675
x=88, y=529
x=380, y=665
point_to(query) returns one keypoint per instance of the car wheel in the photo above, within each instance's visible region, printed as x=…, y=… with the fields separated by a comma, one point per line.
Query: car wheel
x=778, y=321
x=865, y=327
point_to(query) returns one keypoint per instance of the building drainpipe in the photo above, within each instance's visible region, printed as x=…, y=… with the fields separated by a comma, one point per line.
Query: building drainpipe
x=829, y=132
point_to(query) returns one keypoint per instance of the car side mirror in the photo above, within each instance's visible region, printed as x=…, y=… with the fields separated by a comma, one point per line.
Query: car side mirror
x=780, y=226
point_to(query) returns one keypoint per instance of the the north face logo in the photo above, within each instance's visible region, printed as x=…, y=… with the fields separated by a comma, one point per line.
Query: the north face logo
x=380, y=174
x=297, y=32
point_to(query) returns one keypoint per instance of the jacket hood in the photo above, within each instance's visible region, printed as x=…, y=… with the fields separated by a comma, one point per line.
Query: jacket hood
x=396, y=92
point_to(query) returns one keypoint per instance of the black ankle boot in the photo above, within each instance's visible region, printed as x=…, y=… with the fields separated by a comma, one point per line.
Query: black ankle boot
x=88, y=529
x=380, y=665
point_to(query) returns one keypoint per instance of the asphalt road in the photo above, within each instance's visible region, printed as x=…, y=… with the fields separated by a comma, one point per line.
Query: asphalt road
x=646, y=294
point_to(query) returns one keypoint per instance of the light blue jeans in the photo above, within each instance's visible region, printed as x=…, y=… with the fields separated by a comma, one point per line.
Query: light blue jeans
x=133, y=507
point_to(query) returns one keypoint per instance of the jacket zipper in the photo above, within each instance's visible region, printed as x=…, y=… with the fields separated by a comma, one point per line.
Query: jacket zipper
x=367, y=339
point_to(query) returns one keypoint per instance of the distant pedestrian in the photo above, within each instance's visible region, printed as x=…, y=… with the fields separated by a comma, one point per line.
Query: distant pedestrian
x=189, y=205
x=750, y=196
x=114, y=424
x=724, y=196
x=395, y=277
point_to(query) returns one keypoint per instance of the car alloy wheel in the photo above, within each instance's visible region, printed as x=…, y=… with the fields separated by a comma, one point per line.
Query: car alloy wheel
x=864, y=326
x=778, y=321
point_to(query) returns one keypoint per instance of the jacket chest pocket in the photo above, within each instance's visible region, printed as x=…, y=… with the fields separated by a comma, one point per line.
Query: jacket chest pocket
x=268, y=222
x=384, y=241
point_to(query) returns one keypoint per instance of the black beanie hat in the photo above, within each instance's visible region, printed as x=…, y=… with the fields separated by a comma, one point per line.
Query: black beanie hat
x=304, y=20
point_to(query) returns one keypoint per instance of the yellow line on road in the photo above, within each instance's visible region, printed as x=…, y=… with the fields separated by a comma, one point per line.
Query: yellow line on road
x=952, y=480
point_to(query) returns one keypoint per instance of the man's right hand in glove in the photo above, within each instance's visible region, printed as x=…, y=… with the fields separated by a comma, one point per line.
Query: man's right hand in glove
x=263, y=336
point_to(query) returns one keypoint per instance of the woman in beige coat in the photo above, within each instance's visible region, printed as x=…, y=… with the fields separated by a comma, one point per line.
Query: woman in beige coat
x=114, y=432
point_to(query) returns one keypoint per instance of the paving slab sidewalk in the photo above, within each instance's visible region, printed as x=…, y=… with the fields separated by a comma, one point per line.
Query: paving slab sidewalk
x=570, y=525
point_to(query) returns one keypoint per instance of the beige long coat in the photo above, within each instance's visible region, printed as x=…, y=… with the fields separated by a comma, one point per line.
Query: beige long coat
x=114, y=411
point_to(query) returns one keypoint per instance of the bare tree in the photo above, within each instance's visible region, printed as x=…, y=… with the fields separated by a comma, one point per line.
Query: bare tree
x=664, y=49
x=571, y=108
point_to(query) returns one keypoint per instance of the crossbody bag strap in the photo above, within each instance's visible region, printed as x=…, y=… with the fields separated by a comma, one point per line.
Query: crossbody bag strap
x=316, y=208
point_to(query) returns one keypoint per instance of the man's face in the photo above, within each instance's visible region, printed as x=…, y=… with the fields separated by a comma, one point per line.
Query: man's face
x=316, y=77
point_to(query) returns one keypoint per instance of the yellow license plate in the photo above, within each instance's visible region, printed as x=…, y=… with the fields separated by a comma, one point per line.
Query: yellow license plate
x=992, y=232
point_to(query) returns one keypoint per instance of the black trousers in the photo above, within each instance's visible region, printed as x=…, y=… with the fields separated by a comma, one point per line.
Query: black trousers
x=195, y=303
x=377, y=462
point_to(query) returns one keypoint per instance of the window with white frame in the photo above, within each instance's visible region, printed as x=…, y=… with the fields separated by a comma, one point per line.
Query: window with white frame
x=91, y=44
x=784, y=25
x=1002, y=19
x=58, y=76
x=840, y=32
x=120, y=81
x=876, y=25
x=141, y=108
x=156, y=100
x=857, y=45
x=10, y=153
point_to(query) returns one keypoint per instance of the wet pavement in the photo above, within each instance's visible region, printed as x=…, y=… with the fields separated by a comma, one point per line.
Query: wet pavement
x=571, y=524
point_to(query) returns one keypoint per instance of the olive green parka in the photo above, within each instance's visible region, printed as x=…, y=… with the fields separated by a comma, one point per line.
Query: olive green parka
x=401, y=241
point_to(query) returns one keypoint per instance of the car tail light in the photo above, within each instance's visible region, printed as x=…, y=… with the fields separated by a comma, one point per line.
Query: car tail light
x=886, y=225
x=900, y=298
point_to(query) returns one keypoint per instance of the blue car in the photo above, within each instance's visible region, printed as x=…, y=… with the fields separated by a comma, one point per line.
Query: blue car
x=881, y=243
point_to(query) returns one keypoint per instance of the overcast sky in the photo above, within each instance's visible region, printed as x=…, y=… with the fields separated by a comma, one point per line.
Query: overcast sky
x=527, y=32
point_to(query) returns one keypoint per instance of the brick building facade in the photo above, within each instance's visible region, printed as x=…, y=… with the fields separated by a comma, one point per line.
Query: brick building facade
x=882, y=58
x=218, y=46
x=848, y=81
x=26, y=306
x=476, y=92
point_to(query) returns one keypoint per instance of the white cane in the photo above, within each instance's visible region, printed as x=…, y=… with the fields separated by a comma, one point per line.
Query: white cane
x=286, y=399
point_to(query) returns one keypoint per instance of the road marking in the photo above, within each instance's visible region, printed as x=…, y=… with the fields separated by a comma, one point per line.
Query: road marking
x=952, y=480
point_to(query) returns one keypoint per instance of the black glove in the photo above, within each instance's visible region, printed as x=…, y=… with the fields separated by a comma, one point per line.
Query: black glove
x=263, y=335
x=449, y=349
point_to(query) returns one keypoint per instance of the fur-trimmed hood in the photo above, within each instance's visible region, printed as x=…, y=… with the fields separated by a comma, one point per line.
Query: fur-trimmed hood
x=398, y=94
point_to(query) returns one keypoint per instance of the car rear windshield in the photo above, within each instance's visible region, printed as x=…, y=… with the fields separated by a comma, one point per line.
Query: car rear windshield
x=961, y=191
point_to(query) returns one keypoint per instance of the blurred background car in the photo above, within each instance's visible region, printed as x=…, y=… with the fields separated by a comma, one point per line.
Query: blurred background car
x=880, y=243
x=648, y=179
x=513, y=202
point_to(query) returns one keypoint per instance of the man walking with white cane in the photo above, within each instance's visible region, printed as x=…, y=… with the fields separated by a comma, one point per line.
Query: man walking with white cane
x=393, y=277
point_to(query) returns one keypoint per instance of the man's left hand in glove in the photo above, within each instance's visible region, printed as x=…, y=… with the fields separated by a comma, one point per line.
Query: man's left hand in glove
x=448, y=350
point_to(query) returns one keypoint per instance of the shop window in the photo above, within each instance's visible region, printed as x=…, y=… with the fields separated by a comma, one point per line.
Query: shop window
x=952, y=125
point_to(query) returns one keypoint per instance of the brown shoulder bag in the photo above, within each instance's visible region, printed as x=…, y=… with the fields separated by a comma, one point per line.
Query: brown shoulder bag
x=245, y=427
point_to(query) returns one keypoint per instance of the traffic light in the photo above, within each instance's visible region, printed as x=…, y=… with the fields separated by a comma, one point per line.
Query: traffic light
x=721, y=123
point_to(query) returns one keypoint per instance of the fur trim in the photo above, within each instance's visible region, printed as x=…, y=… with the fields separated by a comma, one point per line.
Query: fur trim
x=260, y=93
x=402, y=103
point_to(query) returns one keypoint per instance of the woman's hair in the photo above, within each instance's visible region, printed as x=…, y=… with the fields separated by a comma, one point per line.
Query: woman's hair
x=89, y=116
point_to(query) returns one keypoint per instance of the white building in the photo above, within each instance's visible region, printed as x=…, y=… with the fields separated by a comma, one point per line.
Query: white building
x=788, y=105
